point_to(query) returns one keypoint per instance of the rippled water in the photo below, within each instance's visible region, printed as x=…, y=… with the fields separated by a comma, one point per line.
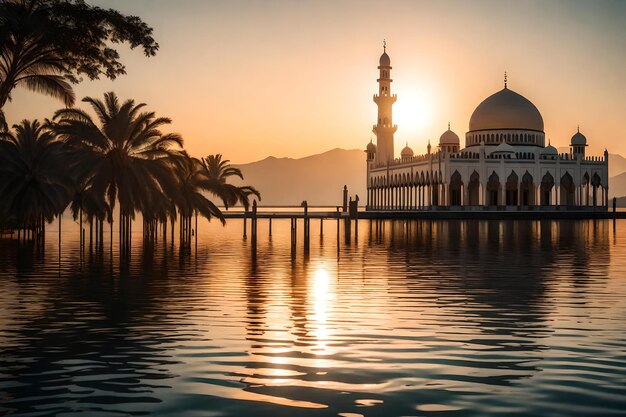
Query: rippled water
x=407, y=319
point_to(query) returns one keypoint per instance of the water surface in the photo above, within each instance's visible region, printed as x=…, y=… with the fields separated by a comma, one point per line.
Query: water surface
x=428, y=318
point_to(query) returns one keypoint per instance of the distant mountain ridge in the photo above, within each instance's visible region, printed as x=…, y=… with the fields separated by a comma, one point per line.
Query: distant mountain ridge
x=320, y=178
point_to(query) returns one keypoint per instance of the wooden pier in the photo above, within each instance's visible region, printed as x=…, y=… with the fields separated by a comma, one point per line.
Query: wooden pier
x=350, y=215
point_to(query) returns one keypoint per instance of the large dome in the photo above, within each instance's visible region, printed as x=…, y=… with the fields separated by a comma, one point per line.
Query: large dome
x=506, y=110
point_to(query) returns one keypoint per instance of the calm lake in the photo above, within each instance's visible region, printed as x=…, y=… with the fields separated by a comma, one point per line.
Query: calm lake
x=428, y=318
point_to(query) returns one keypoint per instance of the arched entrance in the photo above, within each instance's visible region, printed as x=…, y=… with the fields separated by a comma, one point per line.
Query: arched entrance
x=547, y=184
x=595, y=184
x=456, y=186
x=567, y=190
x=493, y=189
x=585, y=189
x=527, y=190
x=511, y=189
x=473, y=189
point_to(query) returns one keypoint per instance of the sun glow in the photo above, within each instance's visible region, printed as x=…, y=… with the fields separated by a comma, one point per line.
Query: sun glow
x=412, y=112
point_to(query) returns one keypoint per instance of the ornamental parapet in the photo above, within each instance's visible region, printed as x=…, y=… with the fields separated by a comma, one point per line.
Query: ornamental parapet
x=391, y=97
x=383, y=127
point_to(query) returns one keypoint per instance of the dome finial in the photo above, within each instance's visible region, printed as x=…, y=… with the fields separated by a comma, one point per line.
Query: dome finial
x=578, y=128
x=448, y=125
x=505, y=79
x=548, y=141
x=384, y=45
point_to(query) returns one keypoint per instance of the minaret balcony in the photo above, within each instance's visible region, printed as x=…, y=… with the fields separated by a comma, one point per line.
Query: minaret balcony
x=384, y=128
x=385, y=99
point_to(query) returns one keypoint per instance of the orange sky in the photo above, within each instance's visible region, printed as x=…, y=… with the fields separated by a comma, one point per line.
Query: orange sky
x=283, y=78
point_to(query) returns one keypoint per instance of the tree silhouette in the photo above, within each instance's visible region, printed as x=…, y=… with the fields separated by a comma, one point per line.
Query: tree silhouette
x=125, y=157
x=46, y=45
x=218, y=171
x=34, y=182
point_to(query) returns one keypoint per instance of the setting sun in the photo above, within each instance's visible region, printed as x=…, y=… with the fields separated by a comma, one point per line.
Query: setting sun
x=413, y=113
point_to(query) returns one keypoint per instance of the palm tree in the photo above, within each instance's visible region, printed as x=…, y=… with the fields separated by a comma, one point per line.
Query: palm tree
x=126, y=157
x=191, y=186
x=3, y=122
x=218, y=171
x=35, y=184
x=189, y=192
x=27, y=58
x=46, y=45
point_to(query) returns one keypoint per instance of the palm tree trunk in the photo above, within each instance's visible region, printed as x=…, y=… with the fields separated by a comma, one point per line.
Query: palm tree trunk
x=60, y=217
x=80, y=228
x=121, y=229
x=43, y=232
x=111, y=240
x=90, y=233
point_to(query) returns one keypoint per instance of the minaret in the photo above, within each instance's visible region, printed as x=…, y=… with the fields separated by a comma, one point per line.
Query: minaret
x=385, y=128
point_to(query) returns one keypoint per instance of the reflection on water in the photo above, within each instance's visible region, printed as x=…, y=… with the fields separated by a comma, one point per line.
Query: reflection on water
x=413, y=318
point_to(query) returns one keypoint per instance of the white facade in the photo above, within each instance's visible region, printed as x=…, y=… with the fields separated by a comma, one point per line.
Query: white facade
x=505, y=164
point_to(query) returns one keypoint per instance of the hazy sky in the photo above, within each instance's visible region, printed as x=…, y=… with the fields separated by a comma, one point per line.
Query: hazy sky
x=251, y=79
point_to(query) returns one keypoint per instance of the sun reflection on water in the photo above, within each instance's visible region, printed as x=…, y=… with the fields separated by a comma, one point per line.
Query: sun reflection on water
x=321, y=298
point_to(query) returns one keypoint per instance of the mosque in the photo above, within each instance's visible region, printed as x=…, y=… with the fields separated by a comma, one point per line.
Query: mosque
x=505, y=164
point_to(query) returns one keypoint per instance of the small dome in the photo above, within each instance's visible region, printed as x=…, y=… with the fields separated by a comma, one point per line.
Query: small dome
x=371, y=148
x=504, y=148
x=549, y=150
x=384, y=60
x=449, y=138
x=579, y=139
x=406, y=152
x=506, y=110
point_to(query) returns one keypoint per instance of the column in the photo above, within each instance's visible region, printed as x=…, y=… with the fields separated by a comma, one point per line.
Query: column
x=462, y=194
x=485, y=193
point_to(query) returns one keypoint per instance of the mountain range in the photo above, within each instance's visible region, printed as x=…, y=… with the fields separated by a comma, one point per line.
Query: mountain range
x=320, y=178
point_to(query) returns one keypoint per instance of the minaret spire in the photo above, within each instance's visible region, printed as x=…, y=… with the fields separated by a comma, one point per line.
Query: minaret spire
x=384, y=45
x=505, y=79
